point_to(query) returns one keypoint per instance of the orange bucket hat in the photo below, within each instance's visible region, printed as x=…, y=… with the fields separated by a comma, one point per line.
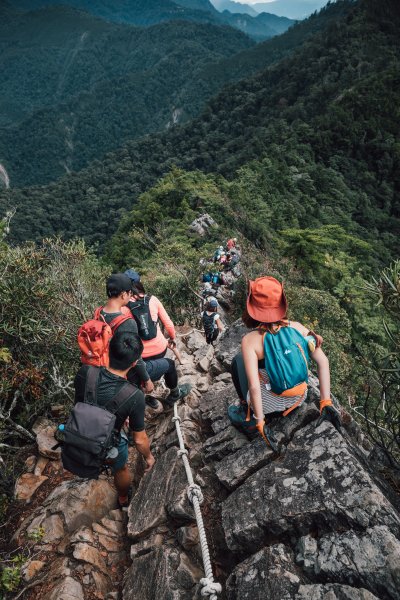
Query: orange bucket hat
x=266, y=300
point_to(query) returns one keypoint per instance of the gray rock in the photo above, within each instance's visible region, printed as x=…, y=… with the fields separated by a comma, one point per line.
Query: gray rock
x=148, y=508
x=214, y=404
x=91, y=555
x=165, y=574
x=68, y=589
x=233, y=469
x=202, y=224
x=195, y=341
x=229, y=343
x=268, y=575
x=188, y=537
x=226, y=442
x=318, y=485
x=46, y=441
x=147, y=545
x=333, y=591
x=84, y=534
x=370, y=559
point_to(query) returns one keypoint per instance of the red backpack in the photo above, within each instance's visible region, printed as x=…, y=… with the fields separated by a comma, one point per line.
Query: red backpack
x=94, y=338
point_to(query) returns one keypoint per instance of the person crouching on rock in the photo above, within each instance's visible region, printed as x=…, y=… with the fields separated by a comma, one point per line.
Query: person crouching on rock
x=124, y=351
x=271, y=372
x=148, y=310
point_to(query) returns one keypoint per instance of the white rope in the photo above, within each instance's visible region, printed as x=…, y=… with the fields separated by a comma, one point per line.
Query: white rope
x=210, y=588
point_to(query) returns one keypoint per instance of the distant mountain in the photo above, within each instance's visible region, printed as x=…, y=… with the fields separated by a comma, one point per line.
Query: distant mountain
x=324, y=118
x=234, y=7
x=150, y=12
x=78, y=87
x=293, y=9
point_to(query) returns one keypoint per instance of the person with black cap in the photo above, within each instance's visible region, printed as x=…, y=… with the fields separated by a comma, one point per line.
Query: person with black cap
x=148, y=310
x=211, y=320
x=119, y=293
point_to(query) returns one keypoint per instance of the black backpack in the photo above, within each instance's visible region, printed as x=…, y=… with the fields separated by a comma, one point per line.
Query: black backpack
x=147, y=329
x=208, y=324
x=89, y=432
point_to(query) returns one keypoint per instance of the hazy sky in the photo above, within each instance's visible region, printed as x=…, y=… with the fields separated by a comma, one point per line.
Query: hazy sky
x=321, y=2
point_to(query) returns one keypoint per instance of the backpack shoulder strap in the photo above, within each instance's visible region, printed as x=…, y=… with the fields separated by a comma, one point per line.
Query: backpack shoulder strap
x=121, y=397
x=92, y=379
x=115, y=323
x=97, y=314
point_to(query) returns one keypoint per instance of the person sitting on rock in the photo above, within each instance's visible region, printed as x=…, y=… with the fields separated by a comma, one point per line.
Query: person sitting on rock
x=148, y=310
x=211, y=320
x=124, y=351
x=271, y=372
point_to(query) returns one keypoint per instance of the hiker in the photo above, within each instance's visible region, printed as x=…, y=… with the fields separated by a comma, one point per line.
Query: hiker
x=147, y=310
x=271, y=372
x=110, y=382
x=218, y=253
x=231, y=244
x=119, y=292
x=211, y=320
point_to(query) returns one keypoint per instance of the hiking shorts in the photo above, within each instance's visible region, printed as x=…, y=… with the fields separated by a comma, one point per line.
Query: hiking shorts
x=122, y=457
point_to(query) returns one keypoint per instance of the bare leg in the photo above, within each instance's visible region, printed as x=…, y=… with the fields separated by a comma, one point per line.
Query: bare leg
x=122, y=481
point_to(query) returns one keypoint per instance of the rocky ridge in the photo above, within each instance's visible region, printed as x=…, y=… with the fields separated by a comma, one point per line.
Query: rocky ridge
x=317, y=522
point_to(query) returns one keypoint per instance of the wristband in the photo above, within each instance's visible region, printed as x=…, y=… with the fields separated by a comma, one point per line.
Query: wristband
x=323, y=403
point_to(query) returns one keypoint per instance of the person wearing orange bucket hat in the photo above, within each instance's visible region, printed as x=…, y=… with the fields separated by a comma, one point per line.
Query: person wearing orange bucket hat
x=271, y=373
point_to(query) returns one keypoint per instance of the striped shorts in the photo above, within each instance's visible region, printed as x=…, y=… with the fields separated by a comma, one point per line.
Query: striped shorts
x=273, y=403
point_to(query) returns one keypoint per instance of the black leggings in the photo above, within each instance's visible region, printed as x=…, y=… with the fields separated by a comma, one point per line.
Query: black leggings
x=158, y=366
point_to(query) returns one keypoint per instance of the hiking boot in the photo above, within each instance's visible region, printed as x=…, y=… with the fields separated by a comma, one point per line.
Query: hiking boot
x=151, y=402
x=182, y=391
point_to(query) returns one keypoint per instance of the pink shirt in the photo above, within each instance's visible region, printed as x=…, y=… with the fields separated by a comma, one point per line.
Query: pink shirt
x=158, y=344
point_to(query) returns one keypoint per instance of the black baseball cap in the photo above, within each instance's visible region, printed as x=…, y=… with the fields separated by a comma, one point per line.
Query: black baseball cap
x=117, y=283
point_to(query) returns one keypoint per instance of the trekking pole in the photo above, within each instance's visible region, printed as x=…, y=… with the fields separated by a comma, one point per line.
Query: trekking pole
x=210, y=587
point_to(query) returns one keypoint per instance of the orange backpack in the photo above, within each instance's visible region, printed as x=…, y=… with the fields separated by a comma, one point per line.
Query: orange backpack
x=94, y=338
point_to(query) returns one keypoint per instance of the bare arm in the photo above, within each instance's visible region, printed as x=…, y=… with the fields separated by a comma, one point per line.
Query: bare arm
x=250, y=358
x=220, y=324
x=142, y=444
x=323, y=373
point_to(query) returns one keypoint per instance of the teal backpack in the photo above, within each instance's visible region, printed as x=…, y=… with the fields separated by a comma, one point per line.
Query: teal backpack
x=286, y=359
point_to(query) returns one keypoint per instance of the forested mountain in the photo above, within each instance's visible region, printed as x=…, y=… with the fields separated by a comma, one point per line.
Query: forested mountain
x=103, y=83
x=320, y=130
x=81, y=127
x=151, y=12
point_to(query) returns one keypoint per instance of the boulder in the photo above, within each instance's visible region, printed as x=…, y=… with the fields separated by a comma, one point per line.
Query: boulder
x=233, y=469
x=45, y=439
x=202, y=224
x=269, y=574
x=91, y=555
x=319, y=485
x=52, y=527
x=229, y=342
x=40, y=465
x=26, y=485
x=67, y=589
x=226, y=442
x=78, y=502
x=195, y=341
x=333, y=591
x=147, y=509
x=370, y=559
x=82, y=502
x=165, y=574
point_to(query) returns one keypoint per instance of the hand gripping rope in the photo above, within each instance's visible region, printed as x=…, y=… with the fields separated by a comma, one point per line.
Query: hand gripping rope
x=209, y=587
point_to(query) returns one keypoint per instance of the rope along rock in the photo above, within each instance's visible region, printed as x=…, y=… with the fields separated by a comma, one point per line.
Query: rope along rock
x=209, y=587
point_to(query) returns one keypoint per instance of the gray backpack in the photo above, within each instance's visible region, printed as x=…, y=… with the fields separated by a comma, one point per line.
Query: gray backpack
x=89, y=433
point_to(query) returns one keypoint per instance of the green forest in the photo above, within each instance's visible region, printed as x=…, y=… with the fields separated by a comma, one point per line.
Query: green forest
x=300, y=160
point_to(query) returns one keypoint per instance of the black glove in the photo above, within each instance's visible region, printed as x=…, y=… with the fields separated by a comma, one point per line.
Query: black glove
x=330, y=414
x=268, y=436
